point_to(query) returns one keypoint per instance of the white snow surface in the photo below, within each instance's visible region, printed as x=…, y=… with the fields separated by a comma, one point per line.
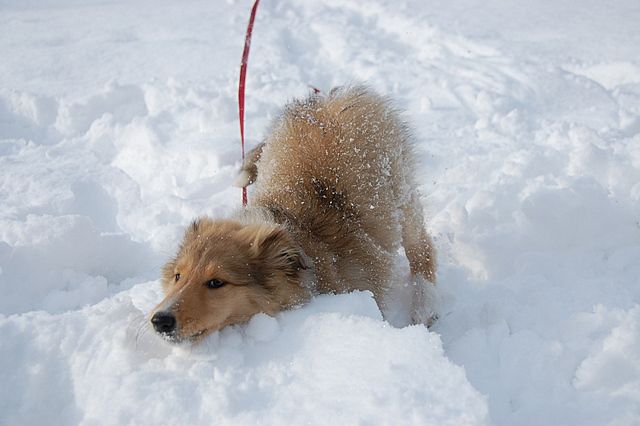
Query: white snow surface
x=118, y=125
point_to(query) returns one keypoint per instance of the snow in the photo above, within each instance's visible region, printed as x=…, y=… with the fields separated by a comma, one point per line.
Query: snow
x=334, y=361
x=118, y=126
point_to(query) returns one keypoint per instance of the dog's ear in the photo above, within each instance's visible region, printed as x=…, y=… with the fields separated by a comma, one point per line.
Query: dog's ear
x=274, y=246
x=195, y=228
x=279, y=245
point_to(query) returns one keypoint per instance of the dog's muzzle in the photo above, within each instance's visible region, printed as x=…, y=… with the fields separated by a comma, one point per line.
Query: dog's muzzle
x=164, y=323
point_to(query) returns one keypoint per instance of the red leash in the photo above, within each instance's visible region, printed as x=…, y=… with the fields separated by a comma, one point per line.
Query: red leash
x=243, y=75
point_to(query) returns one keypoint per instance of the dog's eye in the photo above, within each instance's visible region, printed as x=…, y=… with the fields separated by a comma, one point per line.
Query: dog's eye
x=177, y=277
x=214, y=283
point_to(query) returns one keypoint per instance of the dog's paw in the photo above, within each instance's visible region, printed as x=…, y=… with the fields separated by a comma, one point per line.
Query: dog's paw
x=424, y=316
x=425, y=303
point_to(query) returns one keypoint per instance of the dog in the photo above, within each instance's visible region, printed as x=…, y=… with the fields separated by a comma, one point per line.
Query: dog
x=334, y=198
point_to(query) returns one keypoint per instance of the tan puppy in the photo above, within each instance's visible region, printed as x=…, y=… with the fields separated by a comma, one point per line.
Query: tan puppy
x=335, y=196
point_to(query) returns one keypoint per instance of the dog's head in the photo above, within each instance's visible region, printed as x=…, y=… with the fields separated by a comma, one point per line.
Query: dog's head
x=224, y=273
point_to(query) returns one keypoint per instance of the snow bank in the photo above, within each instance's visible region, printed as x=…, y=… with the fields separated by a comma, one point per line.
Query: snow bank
x=333, y=361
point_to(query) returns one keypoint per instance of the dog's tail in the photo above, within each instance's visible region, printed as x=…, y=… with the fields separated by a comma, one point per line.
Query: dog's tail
x=249, y=170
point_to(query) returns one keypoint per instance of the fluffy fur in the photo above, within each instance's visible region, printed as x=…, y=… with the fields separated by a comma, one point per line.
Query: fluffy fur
x=335, y=197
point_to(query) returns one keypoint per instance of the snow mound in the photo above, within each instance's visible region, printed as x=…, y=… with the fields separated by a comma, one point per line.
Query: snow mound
x=333, y=361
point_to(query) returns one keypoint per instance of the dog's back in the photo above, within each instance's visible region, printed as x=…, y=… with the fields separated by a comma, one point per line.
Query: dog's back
x=340, y=167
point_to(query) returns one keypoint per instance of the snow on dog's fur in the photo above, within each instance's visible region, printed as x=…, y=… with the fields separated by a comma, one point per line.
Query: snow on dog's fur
x=334, y=198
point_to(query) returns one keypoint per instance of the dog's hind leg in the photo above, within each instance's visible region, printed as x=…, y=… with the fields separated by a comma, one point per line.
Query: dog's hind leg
x=421, y=254
x=417, y=243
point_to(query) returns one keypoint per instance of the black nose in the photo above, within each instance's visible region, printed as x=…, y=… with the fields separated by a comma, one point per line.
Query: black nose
x=164, y=322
